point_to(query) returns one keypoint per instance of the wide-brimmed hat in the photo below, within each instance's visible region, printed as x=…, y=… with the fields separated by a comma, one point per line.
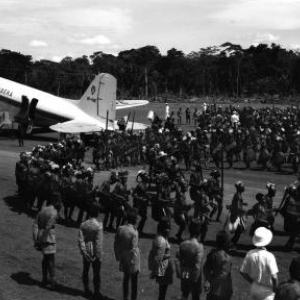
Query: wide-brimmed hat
x=262, y=237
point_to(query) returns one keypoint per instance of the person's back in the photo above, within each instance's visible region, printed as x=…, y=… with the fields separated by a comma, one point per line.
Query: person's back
x=259, y=268
x=217, y=270
x=190, y=251
x=190, y=255
x=46, y=214
x=290, y=289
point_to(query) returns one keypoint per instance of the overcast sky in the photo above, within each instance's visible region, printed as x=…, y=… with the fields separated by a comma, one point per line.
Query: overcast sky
x=54, y=29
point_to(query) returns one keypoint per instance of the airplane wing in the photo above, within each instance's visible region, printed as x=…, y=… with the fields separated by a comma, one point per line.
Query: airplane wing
x=122, y=104
x=76, y=126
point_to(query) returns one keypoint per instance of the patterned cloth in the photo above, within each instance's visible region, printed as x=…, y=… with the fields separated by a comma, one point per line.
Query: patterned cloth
x=44, y=229
x=162, y=268
x=191, y=257
x=126, y=249
x=217, y=271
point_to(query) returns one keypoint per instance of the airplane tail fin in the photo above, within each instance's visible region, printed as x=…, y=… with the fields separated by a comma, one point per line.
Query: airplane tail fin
x=100, y=97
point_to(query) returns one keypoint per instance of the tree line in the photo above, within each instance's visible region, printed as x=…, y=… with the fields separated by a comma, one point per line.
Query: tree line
x=225, y=71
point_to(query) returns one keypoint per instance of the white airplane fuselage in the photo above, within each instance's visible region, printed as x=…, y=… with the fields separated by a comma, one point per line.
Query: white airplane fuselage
x=50, y=109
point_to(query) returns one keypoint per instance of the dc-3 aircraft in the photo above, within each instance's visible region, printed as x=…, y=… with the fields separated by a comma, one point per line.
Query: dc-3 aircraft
x=95, y=111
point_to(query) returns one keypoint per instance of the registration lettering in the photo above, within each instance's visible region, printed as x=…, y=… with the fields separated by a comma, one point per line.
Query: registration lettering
x=5, y=92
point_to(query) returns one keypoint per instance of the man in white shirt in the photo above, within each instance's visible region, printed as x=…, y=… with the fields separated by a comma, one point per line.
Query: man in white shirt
x=235, y=118
x=259, y=267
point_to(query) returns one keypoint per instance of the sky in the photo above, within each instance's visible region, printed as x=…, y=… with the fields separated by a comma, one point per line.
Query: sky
x=55, y=29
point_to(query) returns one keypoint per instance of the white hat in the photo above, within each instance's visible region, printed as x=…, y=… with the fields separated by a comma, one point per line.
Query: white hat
x=262, y=237
x=162, y=154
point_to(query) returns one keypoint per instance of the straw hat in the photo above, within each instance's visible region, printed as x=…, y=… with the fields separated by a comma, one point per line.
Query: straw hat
x=262, y=237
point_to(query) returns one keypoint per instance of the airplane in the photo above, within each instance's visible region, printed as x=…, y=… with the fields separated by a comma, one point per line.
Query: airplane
x=94, y=111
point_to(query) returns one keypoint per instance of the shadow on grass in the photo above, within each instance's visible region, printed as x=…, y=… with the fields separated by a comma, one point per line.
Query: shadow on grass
x=17, y=204
x=24, y=278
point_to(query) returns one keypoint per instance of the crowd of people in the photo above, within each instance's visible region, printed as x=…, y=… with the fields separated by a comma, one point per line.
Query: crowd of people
x=54, y=174
x=212, y=275
x=269, y=136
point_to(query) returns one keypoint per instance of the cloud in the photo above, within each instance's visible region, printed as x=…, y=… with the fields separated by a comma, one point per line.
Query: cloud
x=37, y=43
x=265, y=38
x=294, y=47
x=112, y=19
x=56, y=58
x=97, y=40
x=263, y=14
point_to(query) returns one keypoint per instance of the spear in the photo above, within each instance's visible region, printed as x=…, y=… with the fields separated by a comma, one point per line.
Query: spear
x=133, y=121
x=107, y=114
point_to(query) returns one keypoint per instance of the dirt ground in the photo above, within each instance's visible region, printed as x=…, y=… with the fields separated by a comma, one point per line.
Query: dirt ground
x=20, y=274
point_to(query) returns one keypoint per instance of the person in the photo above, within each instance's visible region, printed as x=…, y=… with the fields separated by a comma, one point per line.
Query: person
x=21, y=134
x=127, y=253
x=217, y=270
x=290, y=212
x=141, y=198
x=21, y=171
x=260, y=268
x=271, y=193
x=160, y=263
x=181, y=208
x=234, y=119
x=167, y=111
x=45, y=240
x=90, y=242
x=258, y=211
x=290, y=289
x=190, y=256
x=179, y=116
x=106, y=190
x=120, y=195
x=188, y=115
x=215, y=194
x=195, y=116
x=237, y=219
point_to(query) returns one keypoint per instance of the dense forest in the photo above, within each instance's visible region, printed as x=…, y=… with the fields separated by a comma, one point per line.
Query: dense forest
x=225, y=71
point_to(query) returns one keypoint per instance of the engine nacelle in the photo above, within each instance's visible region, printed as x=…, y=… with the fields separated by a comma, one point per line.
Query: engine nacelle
x=26, y=114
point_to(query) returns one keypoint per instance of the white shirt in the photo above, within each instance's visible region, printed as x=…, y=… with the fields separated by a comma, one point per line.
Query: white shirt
x=167, y=110
x=235, y=118
x=260, y=265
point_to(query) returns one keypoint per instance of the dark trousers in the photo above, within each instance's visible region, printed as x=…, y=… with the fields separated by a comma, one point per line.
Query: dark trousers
x=162, y=291
x=96, y=265
x=48, y=267
x=214, y=297
x=134, y=282
x=237, y=234
x=189, y=287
